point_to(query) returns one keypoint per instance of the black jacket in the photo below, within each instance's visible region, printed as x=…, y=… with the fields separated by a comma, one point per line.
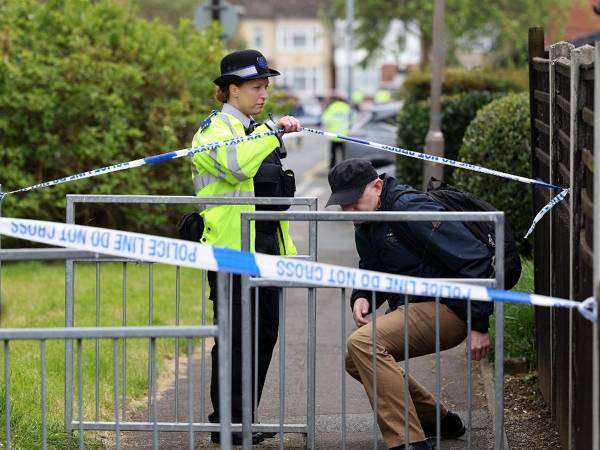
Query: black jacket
x=422, y=249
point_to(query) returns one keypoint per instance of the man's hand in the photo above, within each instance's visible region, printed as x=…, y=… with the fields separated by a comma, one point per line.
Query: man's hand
x=360, y=309
x=480, y=345
x=289, y=124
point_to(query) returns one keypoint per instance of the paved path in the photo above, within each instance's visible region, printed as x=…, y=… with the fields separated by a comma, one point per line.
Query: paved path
x=336, y=245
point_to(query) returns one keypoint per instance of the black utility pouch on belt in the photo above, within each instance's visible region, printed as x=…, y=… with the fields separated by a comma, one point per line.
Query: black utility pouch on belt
x=190, y=227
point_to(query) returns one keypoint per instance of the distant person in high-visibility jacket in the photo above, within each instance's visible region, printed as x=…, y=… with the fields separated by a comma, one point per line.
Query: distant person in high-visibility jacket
x=248, y=169
x=336, y=119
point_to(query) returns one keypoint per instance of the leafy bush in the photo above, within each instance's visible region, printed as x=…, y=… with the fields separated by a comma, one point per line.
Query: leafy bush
x=498, y=139
x=417, y=85
x=413, y=123
x=88, y=84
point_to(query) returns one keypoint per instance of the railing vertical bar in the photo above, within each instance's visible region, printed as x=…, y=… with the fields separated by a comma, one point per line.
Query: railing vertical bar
x=150, y=323
x=190, y=388
x=153, y=395
x=255, y=356
x=246, y=363
x=282, y=305
x=343, y=368
x=7, y=394
x=374, y=365
x=469, y=377
x=406, y=372
x=202, y=348
x=124, y=356
x=224, y=360
x=116, y=392
x=69, y=322
x=438, y=375
x=43, y=393
x=313, y=230
x=97, y=372
x=312, y=366
x=177, y=304
x=499, y=349
x=80, y=390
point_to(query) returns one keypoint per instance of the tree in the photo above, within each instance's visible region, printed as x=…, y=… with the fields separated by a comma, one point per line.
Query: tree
x=85, y=85
x=466, y=22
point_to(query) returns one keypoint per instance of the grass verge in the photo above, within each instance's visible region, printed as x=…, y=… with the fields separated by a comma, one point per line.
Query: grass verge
x=519, y=321
x=33, y=296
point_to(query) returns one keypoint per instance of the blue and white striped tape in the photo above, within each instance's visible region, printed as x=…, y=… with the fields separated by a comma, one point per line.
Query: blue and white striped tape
x=199, y=256
x=435, y=159
x=400, y=151
x=144, y=161
x=459, y=164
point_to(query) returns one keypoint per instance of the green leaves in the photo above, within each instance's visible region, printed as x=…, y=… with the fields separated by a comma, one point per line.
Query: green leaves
x=84, y=85
x=498, y=138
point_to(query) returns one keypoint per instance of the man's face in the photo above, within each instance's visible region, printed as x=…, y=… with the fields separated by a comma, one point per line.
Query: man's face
x=369, y=200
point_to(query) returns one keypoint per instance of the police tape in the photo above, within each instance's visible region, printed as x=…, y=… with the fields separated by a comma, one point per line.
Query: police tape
x=177, y=252
x=237, y=140
x=435, y=159
x=144, y=161
x=461, y=165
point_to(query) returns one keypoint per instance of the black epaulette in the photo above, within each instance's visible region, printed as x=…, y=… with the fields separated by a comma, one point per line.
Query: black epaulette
x=206, y=122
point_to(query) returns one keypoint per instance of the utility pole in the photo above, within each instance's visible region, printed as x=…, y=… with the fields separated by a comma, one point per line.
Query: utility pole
x=349, y=55
x=434, y=142
x=216, y=10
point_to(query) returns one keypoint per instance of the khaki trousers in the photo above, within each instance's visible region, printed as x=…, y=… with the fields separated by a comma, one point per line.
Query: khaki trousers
x=390, y=377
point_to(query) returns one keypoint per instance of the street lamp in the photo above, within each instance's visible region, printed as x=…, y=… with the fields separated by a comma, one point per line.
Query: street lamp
x=434, y=142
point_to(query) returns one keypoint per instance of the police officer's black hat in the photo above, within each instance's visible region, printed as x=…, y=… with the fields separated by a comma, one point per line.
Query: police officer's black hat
x=242, y=66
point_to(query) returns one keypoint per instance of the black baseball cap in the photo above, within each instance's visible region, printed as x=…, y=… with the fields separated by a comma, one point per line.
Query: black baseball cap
x=348, y=180
x=244, y=65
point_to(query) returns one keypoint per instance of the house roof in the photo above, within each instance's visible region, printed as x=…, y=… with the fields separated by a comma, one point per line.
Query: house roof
x=271, y=9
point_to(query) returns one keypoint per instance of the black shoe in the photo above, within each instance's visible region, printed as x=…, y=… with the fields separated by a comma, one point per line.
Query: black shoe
x=423, y=445
x=451, y=427
x=269, y=434
x=237, y=438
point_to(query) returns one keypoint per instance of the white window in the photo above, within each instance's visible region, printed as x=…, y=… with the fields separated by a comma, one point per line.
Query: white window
x=303, y=79
x=300, y=38
x=257, y=37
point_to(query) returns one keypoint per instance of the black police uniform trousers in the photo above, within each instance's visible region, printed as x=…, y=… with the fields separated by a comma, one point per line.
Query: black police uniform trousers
x=268, y=329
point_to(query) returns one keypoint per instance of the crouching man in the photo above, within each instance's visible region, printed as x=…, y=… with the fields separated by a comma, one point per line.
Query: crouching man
x=422, y=249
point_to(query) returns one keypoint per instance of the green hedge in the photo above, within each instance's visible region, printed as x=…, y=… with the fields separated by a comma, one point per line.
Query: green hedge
x=498, y=138
x=413, y=123
x=417, y=85
x=85, y=85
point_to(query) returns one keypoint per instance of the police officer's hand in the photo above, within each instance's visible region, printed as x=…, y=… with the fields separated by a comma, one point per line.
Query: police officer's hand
x=289, y=124
x=359, y=311
x=480, y=345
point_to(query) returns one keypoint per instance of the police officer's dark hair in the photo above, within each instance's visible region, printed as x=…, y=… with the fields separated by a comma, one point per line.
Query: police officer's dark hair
x=222, y=92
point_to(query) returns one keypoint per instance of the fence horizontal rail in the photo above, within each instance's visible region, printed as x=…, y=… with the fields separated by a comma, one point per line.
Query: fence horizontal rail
x=14, y=334
x=48, y=254
x=188, y=200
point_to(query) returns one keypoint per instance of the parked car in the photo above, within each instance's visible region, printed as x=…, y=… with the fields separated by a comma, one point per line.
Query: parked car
x=379, y=124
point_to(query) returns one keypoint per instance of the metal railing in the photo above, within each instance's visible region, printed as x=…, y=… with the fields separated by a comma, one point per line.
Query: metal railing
x=314, y=217
x=72, y=202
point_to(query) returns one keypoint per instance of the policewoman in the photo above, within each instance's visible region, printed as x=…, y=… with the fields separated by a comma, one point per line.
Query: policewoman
x=248, y=169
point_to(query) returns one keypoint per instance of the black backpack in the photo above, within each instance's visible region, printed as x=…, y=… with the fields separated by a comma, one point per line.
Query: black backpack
x=453, y=199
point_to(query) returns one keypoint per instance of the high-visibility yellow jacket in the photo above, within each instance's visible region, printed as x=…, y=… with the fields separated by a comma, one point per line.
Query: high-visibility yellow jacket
x=227, y=172
x=336, y=118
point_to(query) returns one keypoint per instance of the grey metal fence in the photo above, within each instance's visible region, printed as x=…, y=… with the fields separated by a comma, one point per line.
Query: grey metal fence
x=70, y=304
x=314, y=218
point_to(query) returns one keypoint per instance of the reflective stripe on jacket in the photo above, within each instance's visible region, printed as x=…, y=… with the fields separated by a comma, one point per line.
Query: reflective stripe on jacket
x=227, y=172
